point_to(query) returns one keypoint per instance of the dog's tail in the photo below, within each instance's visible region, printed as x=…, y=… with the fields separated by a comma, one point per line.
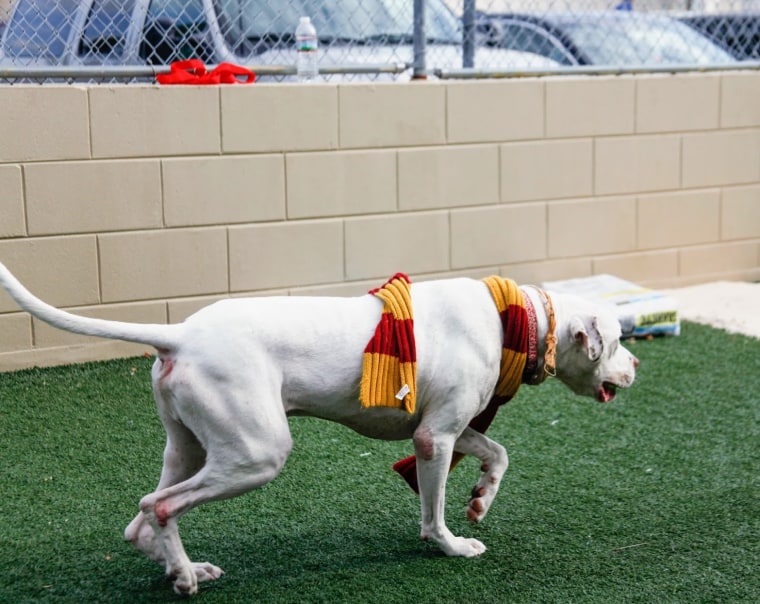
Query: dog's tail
x=161, y=337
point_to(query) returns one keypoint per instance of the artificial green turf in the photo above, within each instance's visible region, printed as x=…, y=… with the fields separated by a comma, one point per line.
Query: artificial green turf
x=653, y=498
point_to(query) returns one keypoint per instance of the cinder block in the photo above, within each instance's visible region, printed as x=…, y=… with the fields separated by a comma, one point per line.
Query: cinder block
x=181, y=309
x=279, y=117
x=67, y=355
x=342, y=182
x=661, y=101
x=721, y=158
x=223, y=190
x=84, y=197
x=16, y=330
x=163, y=264
x=480, y=272
x=41, y=123
x=280, y=255
x=740, y=213
x=379, y=246
x=639, y=267
x=498, y=235
x=11, y=202
x=494, y=111
x=682, y=218
x=142, y=312
x=535, y=273
x=63, y=271
x=739, y=94
x=446, y=177
x=136, y=121
x=629, y=164
x=354, y=288
x=546, y=170
x=708, y=260
x=393, y=114
x=592, y=226
x=589, y=106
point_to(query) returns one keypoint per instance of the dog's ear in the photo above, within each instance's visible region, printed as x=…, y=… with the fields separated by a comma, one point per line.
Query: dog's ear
x=585, y=332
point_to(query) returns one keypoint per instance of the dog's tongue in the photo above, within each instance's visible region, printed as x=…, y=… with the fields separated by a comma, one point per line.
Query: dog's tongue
x=606, y=392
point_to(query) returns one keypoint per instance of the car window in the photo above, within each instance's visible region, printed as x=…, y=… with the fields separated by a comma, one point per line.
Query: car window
x=738, y=34
x=347, y=19
x=643, y=42
x=175, y=30
x=40, y=30
x=530, y=38
x=611, y=46
x=105, y=31
x=440, y=23
x=176, y=11
x=259, y=18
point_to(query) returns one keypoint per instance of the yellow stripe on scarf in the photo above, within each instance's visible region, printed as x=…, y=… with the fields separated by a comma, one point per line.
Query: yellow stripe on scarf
x=389, y=366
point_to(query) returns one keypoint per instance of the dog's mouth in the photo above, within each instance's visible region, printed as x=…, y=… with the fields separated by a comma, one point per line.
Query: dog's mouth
x=606, y=392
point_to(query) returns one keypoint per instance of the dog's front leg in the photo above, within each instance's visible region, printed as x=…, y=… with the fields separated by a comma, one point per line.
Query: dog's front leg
x=433, y=450
x=494, y=462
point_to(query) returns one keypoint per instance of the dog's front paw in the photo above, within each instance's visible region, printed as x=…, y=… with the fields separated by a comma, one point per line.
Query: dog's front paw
x=479, y=503
x=484, y=493
x=204, y=571
x=476, y=509
x=184, y=581
x=464, y=547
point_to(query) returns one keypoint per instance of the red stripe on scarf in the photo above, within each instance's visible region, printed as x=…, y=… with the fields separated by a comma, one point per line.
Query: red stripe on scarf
x=514, y=322
x=394, y=337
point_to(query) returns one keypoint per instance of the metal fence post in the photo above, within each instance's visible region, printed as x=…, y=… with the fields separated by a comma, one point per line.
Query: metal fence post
x=419, y=70
x=468, y=34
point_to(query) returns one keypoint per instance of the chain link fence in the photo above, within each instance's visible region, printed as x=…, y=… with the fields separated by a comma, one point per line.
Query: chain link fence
x=106, y=40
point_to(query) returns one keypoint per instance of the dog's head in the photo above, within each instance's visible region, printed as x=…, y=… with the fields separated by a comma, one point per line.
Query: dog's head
x=591, y=361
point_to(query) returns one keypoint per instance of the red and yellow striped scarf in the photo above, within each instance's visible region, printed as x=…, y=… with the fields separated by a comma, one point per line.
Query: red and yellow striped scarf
x=510, y=304
x=389, y=369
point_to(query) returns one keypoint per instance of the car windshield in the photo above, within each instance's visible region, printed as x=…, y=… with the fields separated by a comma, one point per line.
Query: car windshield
x=106, y=28
x=633, y=41
x=367, y=21
x=40, y=29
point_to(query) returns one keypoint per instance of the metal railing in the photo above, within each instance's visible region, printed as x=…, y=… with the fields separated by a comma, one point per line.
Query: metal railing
x=128, y=40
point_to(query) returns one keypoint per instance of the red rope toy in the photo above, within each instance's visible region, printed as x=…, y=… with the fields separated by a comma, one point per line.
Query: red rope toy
x=194, y=73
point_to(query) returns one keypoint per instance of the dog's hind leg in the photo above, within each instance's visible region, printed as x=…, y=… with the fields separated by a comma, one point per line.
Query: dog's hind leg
x=250, y=451
x=183, y=457
x=216, y=480
x=433, y=449
x=494, y=462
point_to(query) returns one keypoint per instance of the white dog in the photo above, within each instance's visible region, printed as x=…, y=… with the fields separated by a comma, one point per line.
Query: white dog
x=227, y=378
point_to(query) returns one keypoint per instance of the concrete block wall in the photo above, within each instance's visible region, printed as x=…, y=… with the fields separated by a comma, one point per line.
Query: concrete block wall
x=144, y=203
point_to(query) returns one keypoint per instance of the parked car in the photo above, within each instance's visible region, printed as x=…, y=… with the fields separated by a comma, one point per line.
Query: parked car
x=257, y=32
x=739, y=34
x=618, y=38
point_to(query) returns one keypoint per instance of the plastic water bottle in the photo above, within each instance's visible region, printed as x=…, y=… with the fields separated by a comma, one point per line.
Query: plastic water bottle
x=306, y=48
